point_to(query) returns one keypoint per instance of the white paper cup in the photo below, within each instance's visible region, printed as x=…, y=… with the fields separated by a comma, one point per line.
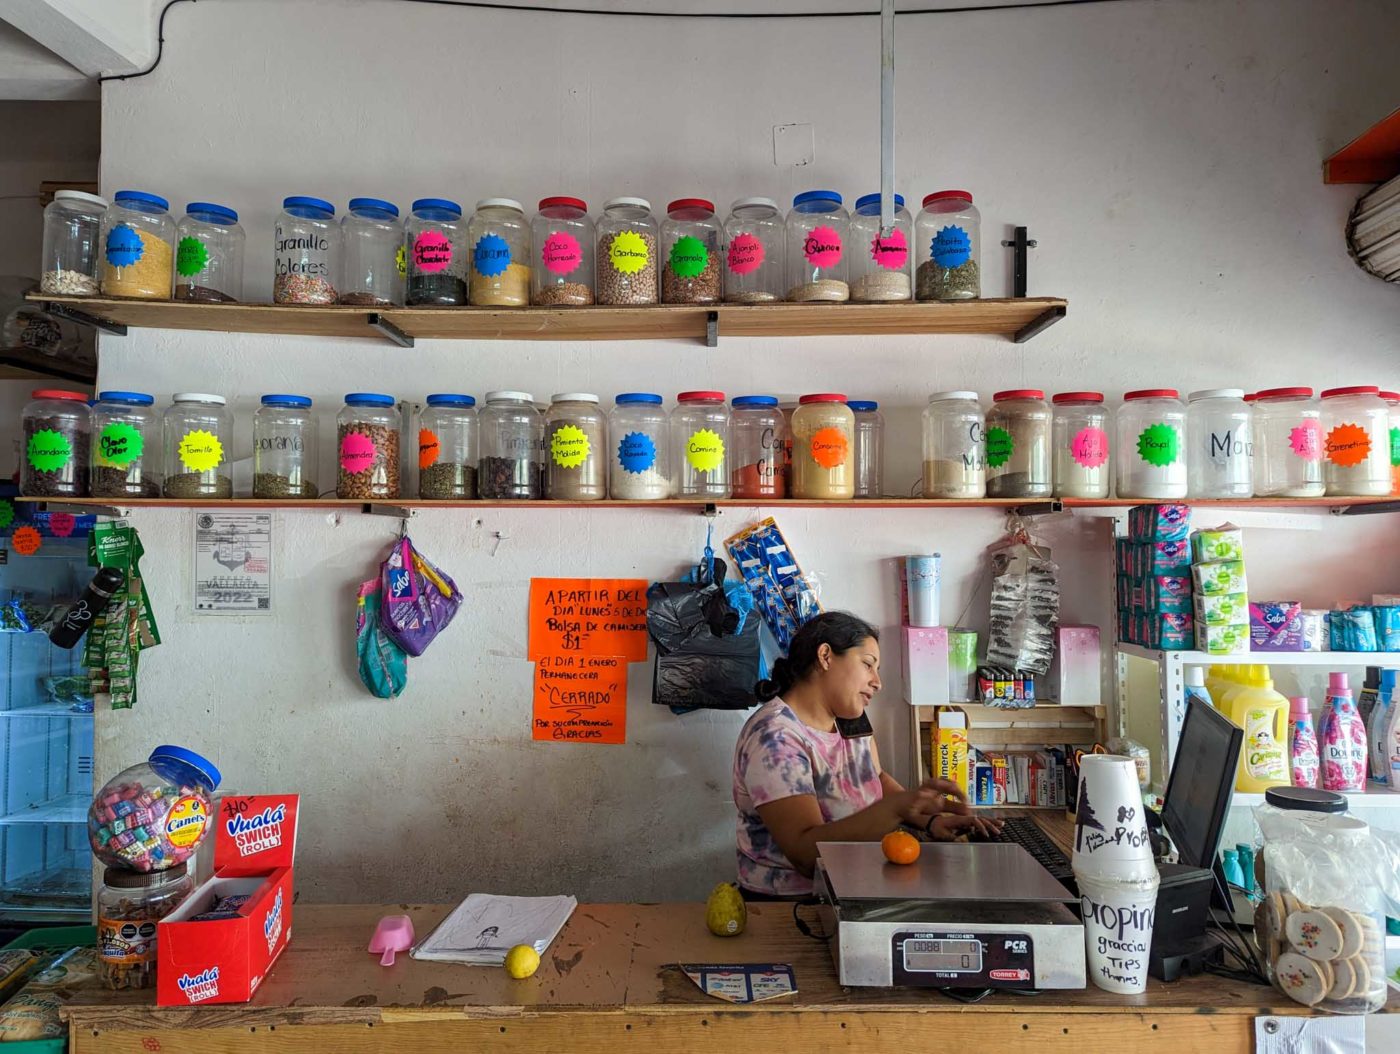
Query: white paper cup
x=1110, y=822
x=1118, y=919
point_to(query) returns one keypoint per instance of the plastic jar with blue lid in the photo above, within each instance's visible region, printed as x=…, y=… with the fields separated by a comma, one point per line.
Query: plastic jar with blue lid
x=154, y=815
x=306, y=252
x=758, y=435
x=209, y=254
x=125, y=446
x=374, y=261
x=435, y=241
x=447, y=448
x=640, y=466
x=138, y=246
x=367, y=447
x=869, y=450
x=284, y=448
x=818, y=228
x=881, y=260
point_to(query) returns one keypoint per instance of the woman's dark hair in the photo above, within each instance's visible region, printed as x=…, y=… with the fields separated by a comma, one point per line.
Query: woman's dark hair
x=840, y=629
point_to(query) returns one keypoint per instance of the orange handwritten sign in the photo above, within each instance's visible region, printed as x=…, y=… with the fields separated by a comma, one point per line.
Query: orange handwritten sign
x=26, y=542
x=588, y=616
x=580, y=699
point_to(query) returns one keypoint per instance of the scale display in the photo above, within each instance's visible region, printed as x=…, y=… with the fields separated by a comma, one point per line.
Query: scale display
x=963, y=958
x=951, y=956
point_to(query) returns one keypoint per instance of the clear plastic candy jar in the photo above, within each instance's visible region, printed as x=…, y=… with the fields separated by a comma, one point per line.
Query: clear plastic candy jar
x=1287, y=444
x=368, y=443
x=306, y=252
x=1392, y=402
x=758, y=438
x=563, y=234
x=499, y=237
x=57, y=441
x=447, y=448
x=640, y=466
x=955, y=447
x=125, y=446
x=1356, y=442
x=138, y=247
x=949, y=235
x=197, y=431
x=435, y=240
x=1219, y=446
x=130, y=904
x=152, y=816
x=284, y=448
x=700, y=445
x=1151, y=445
x=869, y=451
x=375, y=261
x=881, y=263
x=576, y=442
x=1079, y=435
x=818, y=228
x=1018, y=445
x=690, y=251
x=755, y=240
x=512, y=448
x=823, y=432
x=72, y=237
x=627, y=263
x=209, y=254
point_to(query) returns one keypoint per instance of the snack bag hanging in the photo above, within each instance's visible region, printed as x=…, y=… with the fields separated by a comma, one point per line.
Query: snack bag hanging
x=418, y=600
x=383, y=665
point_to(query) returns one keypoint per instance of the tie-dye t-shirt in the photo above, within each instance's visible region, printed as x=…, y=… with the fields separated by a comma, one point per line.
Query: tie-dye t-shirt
x=777, y=757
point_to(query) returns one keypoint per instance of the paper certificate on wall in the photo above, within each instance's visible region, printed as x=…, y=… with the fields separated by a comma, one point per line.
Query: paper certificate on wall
x=233, y=563
x=588, y=616
x=580, y=699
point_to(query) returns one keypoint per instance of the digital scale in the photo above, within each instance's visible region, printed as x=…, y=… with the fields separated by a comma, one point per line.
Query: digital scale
x=964, y=915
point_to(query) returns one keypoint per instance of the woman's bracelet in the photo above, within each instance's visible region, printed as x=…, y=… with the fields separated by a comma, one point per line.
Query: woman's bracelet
x=928, y=827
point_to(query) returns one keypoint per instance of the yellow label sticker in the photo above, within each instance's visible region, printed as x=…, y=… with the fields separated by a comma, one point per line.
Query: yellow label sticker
x=704, y=450
x=201, y=451
x=569, y=446
x=628, y=252
x=186, y=822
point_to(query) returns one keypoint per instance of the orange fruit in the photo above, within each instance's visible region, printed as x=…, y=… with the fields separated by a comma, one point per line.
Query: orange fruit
x=900, y=847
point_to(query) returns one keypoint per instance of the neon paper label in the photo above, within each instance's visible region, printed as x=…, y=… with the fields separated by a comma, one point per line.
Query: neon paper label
x=191, y=257
x=636, y=452
x=7, y=513
x=62, y=524
x=201, y=451
x=745, y=254
x=627, y=252
x=26, y=541
x=1395, y=447
x=830, y=447
x=822, y=247
x=124, y=246
x=428, y=448
x=1306, y=440
x=356, y=452
x=689, y=257
x=491, y=255
x=1159, y=445
x=432, y=252
x=119, y=444
x=999, y=447
x=569, y=446
x=1089, y=447
x=561, y=253
x=890, y=251
x=48, y=450
x=704, y=450
x=951, y=247
x=401, y=260
x=1348, y=445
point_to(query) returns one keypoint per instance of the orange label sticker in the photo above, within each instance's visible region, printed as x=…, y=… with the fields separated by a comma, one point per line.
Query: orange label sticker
x=580, y=699
x=588, y=616
x=1348, y=445
x=830, y=448
x=26, y=541
x=428, y=448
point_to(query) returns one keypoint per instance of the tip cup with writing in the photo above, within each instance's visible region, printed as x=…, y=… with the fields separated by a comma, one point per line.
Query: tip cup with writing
x=394, y=934
x=1118, y=918
x=1110, y=823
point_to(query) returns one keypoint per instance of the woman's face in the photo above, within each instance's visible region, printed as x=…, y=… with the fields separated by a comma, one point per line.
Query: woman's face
x=851, y=679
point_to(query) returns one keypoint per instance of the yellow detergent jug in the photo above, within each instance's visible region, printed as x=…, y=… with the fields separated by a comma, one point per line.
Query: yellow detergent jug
x=1263, y=714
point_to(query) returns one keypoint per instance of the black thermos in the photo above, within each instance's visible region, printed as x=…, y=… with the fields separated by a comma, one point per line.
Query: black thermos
x=76, y=620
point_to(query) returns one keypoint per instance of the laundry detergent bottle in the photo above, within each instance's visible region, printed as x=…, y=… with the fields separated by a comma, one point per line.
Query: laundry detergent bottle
x=1380, y=721
x=1263, y=714
x=1302, y=744
x=1343, y=739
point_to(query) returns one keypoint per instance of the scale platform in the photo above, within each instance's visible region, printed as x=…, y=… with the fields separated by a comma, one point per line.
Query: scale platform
x=964, y=915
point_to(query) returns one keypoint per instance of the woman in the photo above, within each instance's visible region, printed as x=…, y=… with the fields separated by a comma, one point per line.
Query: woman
x=806, y=769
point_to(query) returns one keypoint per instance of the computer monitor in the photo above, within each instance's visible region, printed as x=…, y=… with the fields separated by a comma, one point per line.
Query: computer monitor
x=1201, y=782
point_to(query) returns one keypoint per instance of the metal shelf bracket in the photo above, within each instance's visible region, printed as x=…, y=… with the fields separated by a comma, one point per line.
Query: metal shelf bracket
x=389, y=330
x=1041, y=322
x=712, y=329
x=401, y=512
x=82, y=318
x=1020, y=269
x=1366, y=510
x=116, y=512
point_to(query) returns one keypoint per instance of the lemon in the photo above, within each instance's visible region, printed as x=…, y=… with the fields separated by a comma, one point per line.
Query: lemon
x=725, y=911
x=522, y=961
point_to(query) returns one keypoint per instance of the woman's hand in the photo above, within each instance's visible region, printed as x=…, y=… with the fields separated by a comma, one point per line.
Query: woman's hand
x=935, y=797
x=946, y=827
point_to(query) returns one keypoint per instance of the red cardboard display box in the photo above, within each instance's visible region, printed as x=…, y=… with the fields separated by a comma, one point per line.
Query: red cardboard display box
x=224, y=960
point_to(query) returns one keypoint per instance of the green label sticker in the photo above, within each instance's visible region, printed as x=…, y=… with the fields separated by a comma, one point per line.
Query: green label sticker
x=689, y=257
x=49, y=450
x=999, y=447
x=401, y=261
x=118, y=445
x=1395, y=446
x=1159, y=445
x=7, y=513
x=191, y=257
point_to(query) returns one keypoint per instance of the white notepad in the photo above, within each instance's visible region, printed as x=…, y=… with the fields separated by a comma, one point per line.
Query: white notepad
x=484, y=927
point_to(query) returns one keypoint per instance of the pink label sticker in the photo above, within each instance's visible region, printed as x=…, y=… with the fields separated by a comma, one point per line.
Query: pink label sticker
x=432, y=252
x=822, y=247
x=561, y=253
x=745, y=254
x=356, y=452
x=1306, y=440
x=1089, y=447
x=62, y=524
x=891, y=251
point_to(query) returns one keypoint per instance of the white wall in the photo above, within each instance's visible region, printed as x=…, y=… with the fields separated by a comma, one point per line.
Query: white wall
x=1166, y=156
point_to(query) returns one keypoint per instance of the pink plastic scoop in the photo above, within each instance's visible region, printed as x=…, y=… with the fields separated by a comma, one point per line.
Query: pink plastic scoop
x=394, y=934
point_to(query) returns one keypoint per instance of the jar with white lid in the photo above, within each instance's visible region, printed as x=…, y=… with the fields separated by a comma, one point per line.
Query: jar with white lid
x=1151, y=449
x=640, y=466
x=447, y=448
x=1079, y=434
x=125, y=446
x=700, y=445
x=626, y=254
x=285, y=461
x=138, y=247
x=868, y=457
x=1356, y=442
x=374, y=261
x=57, y=441
x=955, y=447
x=435, y=242
x=1220, y=447
x=306, y=252
x=818, y=230
x=369, y=444
x=690, y=250
x=499, y=238
x=1287, y=431
x=209, y=254
x=881, y=261
x=1392, y=402
x=823, y=433
x=72, y=237
x=198, y=431
x=1018, y=445
x=576, y=443
x=949, y=236
x=563, y=234
x=755, y=239
x=512, y=448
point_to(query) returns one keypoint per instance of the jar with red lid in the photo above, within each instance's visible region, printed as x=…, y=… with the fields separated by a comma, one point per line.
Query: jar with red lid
x=823, y=435
x=1287, y=444
x=759, y=435
x=700, y=445
x=57, y=444
x=948, y=232
x=690, y=251
x=1018, y=445
x=1151, y=445
x=1356, y=442
x=563, y=234
x=1079, y=436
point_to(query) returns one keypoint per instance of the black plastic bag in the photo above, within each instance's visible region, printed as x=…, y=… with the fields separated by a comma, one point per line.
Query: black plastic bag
x=700, y=662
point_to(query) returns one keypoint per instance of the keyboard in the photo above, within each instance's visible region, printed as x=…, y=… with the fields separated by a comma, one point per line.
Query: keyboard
x=1022, y=831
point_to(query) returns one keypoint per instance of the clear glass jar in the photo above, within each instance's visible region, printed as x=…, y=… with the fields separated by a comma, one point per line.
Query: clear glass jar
x=368, y=443
x=882, y=264
x=499, y=236
x=576, y=440
x=57, y=443
x=949, y=235
x=72, y=235
x=129, y=905
x=435, y=244
x=823, y=433
x=955, y=447
x=125, y=446
x=755, y=241
x=1287, y=444
x=285, y=448
x=690, y=248
x=138, y=247
x=627, y=263
x=209, y=254
x=512, y=448
x=1356, y=442
x=306, y=252
x=818, y=228
x=758, y=434
x=1018, y=445
x=1079, y=435
x=447, y=448
x=152, y=816
x=640, y=467
x=869, y=456
x=1220, y=447
x=700, y=445
x=375, y=261
x=1151, y=445
x=564, y=234
x=197, y=430
x=1392, y=401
